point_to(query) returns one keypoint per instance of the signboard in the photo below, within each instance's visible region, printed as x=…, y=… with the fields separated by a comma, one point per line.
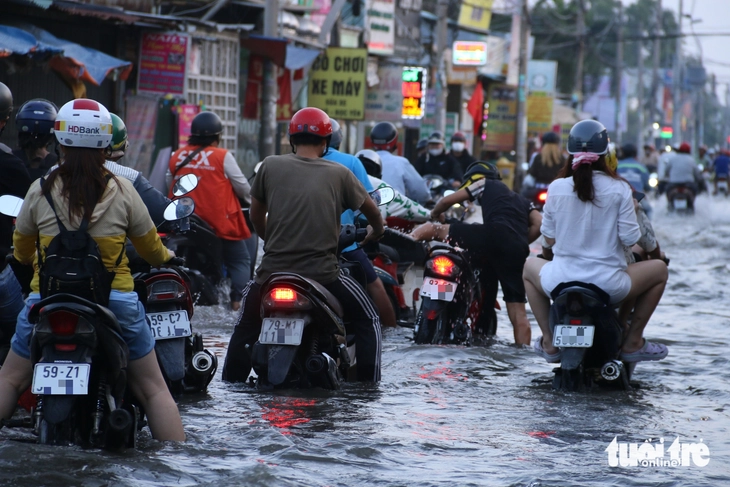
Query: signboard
x=476, y=14
x=162, y=62
x=185, y=115
x=541, y=77
x=428, y=126
x=413, y=88
x=408, y=28
x=469, y=53
x=380, y=26
x=337, y=83
x=384, y=101
x=502, y=118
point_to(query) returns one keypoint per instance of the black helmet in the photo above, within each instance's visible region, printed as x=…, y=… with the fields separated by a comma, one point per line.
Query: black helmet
x=336, y=134
x=384, y=136
x=550, y=138
x=436, y=138
x=588, y=136
x=480, y=170
x=205, y=124
x=422, y=144
x=36, y=117
x=6, y=102
x=371, y=161
x=629, y=150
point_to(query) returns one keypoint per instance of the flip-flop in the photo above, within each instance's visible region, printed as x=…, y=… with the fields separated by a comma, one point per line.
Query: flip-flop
x=650, y=351
x=551, y=358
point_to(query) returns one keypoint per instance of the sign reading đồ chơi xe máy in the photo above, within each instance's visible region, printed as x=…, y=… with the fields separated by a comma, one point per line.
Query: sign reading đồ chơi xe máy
x=337, y=83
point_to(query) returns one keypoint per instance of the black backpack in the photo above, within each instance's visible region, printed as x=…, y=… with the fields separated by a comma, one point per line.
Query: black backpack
x=73, y=264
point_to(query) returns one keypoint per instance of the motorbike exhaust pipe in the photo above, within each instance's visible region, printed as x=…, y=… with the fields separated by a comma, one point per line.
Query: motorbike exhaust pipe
x=316, y=364
x=202, y=363
x=612, y=370
x=120, y=420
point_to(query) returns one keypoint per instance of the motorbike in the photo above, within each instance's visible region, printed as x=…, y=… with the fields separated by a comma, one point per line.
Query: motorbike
x=440, y=187
x=451, y=300
x=79, y=368
x=680, y=199
x=722, y=186
x=589, y=334
x=536, y=194
x=303, y=341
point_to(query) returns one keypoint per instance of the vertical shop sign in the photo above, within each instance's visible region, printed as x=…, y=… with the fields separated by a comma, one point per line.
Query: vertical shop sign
x=380, y=25
x=541, y=76
x=384, y=101
x=162, y=63
x=502, y=118
x=337, y=83
x=185, y=115
x=413, y=88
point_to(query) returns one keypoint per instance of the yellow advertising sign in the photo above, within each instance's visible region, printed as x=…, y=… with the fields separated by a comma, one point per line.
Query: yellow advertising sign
x=502, y=120
x=337, y=83
x=539, y=112
x=476, y=14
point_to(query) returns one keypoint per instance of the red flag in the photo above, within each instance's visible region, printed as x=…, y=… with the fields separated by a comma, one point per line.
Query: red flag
x=475, y=107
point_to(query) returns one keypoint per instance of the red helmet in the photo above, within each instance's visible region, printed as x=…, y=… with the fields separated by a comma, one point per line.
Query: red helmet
x=311, y=121
x=685, y=148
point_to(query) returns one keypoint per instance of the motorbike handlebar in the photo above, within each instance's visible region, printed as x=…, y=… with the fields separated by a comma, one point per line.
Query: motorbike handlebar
x=178, y=261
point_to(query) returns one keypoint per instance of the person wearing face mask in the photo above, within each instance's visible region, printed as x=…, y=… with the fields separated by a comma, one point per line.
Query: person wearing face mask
x=438, y=161
x=459, y=151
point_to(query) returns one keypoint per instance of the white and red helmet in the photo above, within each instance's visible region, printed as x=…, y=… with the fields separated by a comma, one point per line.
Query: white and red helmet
x=83, y=123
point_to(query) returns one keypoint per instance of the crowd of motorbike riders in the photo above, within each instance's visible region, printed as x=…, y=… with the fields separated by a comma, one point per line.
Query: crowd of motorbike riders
x=594, y=227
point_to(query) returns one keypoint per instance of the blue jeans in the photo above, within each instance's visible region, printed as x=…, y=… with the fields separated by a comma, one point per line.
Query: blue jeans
x=238, y=265
x=11, y=303
x=125, y=306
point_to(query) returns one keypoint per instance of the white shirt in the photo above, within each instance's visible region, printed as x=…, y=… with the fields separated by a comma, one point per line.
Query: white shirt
x=590, y=236
x=403, y=177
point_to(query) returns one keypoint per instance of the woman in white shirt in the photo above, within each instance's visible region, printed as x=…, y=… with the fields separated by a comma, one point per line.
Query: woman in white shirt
x=588, y=218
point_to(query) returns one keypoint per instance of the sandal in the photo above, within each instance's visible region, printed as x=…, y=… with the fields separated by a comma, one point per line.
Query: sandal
x=551, y=358
x=650, y=351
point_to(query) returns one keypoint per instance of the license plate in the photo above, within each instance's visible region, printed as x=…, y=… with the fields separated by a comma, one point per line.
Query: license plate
x=438, y=289
x=281, y=331
x=169, y=324
x=573, y=336
x=680, y=204
x=56, y=379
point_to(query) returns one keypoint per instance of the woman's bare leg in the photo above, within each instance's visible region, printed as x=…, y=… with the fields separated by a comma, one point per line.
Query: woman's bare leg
x=539, y=301
x=148, y=386
x=648, y=280
x=520, y=323
x=15, y=377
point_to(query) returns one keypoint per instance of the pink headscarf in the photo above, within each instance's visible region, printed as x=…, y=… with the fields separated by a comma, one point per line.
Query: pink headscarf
x=584, y=158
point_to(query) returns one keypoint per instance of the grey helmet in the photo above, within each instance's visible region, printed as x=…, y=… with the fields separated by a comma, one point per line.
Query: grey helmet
x=588, y=136
x=336, y=134
x=6, y=102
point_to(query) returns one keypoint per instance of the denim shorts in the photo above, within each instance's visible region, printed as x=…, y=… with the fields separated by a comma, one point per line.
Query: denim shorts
x=125, y=306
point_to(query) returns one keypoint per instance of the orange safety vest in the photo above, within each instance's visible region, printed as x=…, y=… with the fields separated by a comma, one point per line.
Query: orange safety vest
x=215, y=201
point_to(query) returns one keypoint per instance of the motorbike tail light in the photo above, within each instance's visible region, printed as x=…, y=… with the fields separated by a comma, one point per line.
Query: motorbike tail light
x=162, y=235
x=443, y=266
x=576, y=322
x=286, y=297
x=65, y=347
x=63, y=323
x=165, y=290
x=542, y=197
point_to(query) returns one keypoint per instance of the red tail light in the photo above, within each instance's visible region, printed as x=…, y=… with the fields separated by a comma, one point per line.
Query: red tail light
x=283, y=294
x=162, y=235
x=164, y=290
x=65, y=347
x=576, y=322
x=542, y=197
x=63, y=322
x=443, y=266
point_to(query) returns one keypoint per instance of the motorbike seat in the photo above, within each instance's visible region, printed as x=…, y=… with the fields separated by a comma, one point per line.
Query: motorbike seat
x=324, y=294
x=596, y=297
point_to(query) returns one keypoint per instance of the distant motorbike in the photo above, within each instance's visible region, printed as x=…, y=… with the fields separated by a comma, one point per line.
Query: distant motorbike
x=440, y=187
x=589, y=334
x=680, y=198
x=304, y=341
x=722, y=186
x=536, y=194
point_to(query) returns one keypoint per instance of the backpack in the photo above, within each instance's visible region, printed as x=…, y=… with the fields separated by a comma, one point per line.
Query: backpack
x=73, y=264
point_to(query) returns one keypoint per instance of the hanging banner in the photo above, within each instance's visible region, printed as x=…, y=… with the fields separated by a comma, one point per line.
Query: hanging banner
x=408, y=29
x=337, y=83
x=384, y=101
x=380, y=27
x=541, y=76
x=141, y=120
x=476, y=14
x=283, y=101
x=413, y=89
x=185, y=115
x=252, y=101
x=162, y=61
x=502, y=118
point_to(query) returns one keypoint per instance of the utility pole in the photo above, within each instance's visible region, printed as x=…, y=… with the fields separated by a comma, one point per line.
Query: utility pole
x=521, y=152
x=640, y=94
x=267, y=145
x=438, y=69
x=677, y=84
x=619, y=73
x=655, y=61
x=581, y=53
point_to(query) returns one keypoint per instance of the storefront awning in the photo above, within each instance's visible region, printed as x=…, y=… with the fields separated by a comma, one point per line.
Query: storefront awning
x=74, y=61
x=14, y=41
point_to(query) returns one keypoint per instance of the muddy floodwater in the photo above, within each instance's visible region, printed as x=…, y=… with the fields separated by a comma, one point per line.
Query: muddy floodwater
x=482, y=416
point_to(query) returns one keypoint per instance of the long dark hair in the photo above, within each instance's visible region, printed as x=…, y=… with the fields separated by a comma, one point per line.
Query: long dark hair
x=83, y=180
x=583, y=176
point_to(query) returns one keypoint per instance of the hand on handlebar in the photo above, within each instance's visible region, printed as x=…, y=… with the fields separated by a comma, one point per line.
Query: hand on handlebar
x=372, y=236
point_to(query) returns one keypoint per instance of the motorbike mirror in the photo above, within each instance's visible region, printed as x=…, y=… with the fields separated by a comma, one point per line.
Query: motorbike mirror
x=448, y=192
x=184, y=185
x=179, y=209
x=10, y=205
x=383, y=196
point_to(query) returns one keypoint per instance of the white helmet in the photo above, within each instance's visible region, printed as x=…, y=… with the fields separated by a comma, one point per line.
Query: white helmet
x=84, y=123
x=371, y=161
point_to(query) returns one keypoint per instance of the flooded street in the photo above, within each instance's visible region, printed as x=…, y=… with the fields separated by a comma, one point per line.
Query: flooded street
x=451, y=415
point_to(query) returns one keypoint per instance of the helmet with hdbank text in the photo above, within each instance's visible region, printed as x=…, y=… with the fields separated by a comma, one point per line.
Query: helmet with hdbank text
x=83, y=123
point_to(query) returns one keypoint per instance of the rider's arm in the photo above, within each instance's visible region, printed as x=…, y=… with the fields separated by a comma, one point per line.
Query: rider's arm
x=239, y=182
x=372, y=213
x=155, y=201
x=26, y=229
x=533, y=228
x=143, y=233
x=448, y=201
x=415, y=185
x=257, y=214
